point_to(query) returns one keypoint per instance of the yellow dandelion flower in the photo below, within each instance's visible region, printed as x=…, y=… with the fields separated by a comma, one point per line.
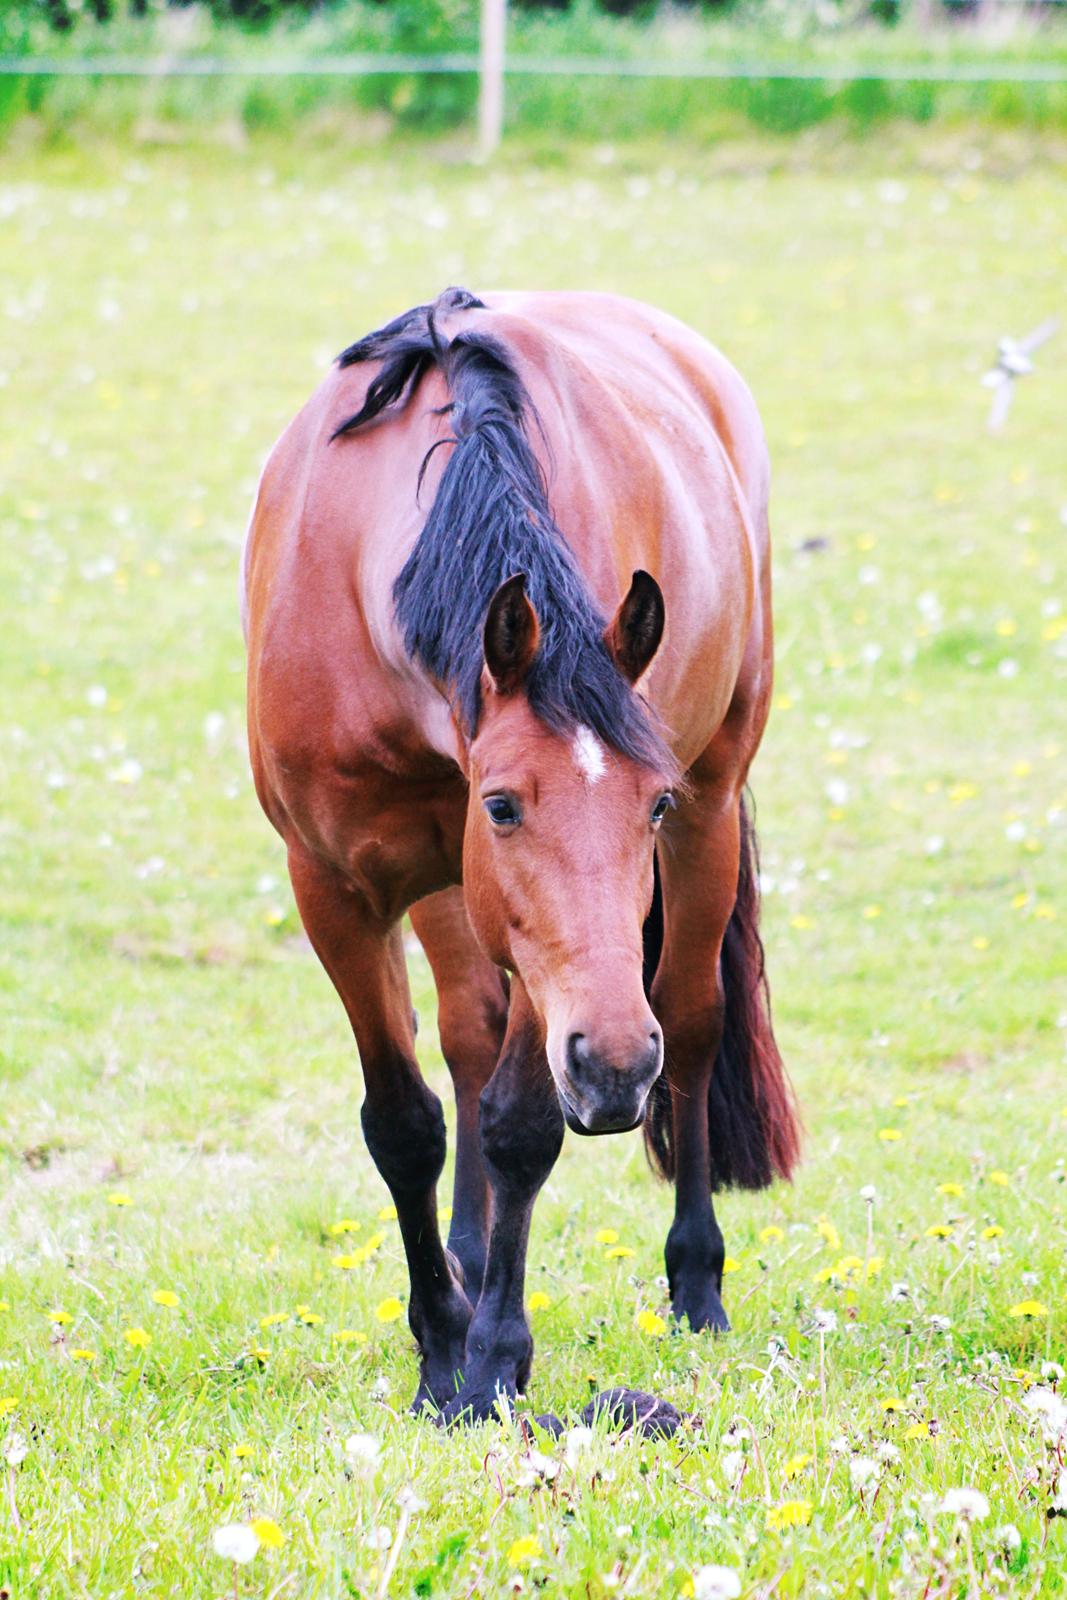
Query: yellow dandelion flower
x=648, y=1322
x=274, y=916
x=267, y=1532
x=619, y=1252
x=894, y=1403
x=1001, y=1179
x=771, y=1234
x=848, y=1267
x=783, y=702
x=345, y=1225
x=979, y=942
x=889, y=1135
x=4, y=1305
x=389, y=1309
x=60, y=1318
x=243, y=1451
x=796, y=1464
x=953, y=1189
x=346, y=1263
x=939, y=1230
x=8, y=1402
x=730, y=1264
x=874, y=1267
x=1028, y=1308
x=375, y=1242
x=310, y=1319
x=387, y=1214
x=83, y=1355
x=790, y=1514
x=826, y=1231
x=917, y=1430
x=272, y=1319
x=1020, y=900
x=994, y=1231
x=350, y=1336
x=444, y=1213
x=524, y=1551
x=138, y=1338
x=824, y=1275
x=606, y=1236
x=538, y=1301
x=118, y=1198
x=870, y=913
x=1045, y=913
x=258, y=1353
x=166, y=1297
x=801, y=922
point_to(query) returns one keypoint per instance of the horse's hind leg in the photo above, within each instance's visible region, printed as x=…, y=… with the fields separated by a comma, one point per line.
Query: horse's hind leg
x=472, y=1014
x=402, y=1119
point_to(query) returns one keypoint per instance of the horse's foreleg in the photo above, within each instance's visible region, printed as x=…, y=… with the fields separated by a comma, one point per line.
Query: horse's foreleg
x=472, y=1014
x=522, y=1134
x=402, y=1118
x=698, y=865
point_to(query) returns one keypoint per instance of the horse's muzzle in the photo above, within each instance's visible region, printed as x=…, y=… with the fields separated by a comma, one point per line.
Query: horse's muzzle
x=599, y=1096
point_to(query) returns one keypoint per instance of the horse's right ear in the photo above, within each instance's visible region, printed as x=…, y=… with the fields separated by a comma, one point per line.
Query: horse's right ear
x=512, y=635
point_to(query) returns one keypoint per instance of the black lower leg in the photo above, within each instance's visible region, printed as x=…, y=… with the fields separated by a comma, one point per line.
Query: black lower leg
x=695, y=1251
x=405, y=1134
x=522, y=1133
x=469, y=1229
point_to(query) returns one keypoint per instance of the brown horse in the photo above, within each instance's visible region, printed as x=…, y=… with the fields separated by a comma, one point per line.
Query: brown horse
x=443, y=721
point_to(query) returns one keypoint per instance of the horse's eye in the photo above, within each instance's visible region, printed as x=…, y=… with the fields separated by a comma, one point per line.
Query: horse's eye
x=502, y=810
x=661, y=807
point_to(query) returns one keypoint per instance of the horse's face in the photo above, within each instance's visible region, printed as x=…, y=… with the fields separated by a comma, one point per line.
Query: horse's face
x=557, y=864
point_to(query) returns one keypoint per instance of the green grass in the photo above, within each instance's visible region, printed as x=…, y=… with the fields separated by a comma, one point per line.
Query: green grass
x=166, y=1035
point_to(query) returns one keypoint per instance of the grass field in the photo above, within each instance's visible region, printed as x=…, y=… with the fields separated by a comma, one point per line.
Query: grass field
x=180, y=1095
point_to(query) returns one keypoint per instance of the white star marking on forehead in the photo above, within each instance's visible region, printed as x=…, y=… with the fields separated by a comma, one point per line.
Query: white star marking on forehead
x=589, y=754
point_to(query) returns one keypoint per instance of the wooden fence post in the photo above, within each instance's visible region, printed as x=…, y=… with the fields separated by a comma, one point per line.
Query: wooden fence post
x=491, y=79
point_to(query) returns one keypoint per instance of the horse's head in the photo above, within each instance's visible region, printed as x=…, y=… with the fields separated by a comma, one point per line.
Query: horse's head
x=557, y=863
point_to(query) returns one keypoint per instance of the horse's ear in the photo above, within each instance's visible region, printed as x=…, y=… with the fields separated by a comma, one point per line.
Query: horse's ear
x=633, y=637
x=512, y=635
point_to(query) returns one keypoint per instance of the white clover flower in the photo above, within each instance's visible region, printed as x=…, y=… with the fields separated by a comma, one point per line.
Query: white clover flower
x=970, y=1505
x=577, y=1442
x=716, y=1583
x=235, y=1542
x=362, y=1452
x=863, y=1471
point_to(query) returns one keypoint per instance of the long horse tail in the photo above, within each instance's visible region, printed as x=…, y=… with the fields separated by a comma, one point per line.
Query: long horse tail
x=752, y=1119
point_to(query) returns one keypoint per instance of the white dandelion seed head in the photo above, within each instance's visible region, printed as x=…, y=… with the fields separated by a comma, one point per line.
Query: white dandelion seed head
x=899, y=1292
x=16, y=1449
x=1059, y=1494
x=362, y=1451
x=869, y=1193
x=716, y=1583
x=824, y=1321
x=576, y=1443
x=235, y=1542
x=1008, y=1537
x=1052, y=1372
x=863, y=1470
x=970, y=1505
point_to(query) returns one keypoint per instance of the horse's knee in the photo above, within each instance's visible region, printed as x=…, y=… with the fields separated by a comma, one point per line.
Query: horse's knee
x=405, y=1135
x=471, y=1028
x=521, y=1137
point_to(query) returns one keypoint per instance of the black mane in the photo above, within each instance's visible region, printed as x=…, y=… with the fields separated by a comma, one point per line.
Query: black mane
x=490, y=520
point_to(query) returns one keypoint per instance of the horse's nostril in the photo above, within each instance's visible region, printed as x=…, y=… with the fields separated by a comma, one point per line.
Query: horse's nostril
x=577, y=1054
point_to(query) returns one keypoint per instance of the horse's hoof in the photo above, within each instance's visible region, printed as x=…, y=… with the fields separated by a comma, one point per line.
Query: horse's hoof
x=634, y=1411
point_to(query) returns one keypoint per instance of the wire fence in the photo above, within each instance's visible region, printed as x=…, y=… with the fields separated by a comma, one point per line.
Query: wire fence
x=377, y=65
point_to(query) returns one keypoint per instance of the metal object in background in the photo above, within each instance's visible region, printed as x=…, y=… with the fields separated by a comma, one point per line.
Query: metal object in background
x=1013, y=362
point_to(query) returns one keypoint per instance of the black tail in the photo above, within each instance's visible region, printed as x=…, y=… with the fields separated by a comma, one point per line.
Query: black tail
x=755, y=1135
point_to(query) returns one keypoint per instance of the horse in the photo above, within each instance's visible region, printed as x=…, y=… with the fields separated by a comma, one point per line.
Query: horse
x=507, y=602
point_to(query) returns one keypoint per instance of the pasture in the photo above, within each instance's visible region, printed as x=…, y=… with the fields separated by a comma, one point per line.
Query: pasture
x=199, y=1279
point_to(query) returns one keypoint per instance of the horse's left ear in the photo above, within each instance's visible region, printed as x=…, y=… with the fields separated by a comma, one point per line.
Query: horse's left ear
x=633, y=637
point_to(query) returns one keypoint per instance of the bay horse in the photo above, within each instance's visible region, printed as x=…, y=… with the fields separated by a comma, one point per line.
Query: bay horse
x=506, y=592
